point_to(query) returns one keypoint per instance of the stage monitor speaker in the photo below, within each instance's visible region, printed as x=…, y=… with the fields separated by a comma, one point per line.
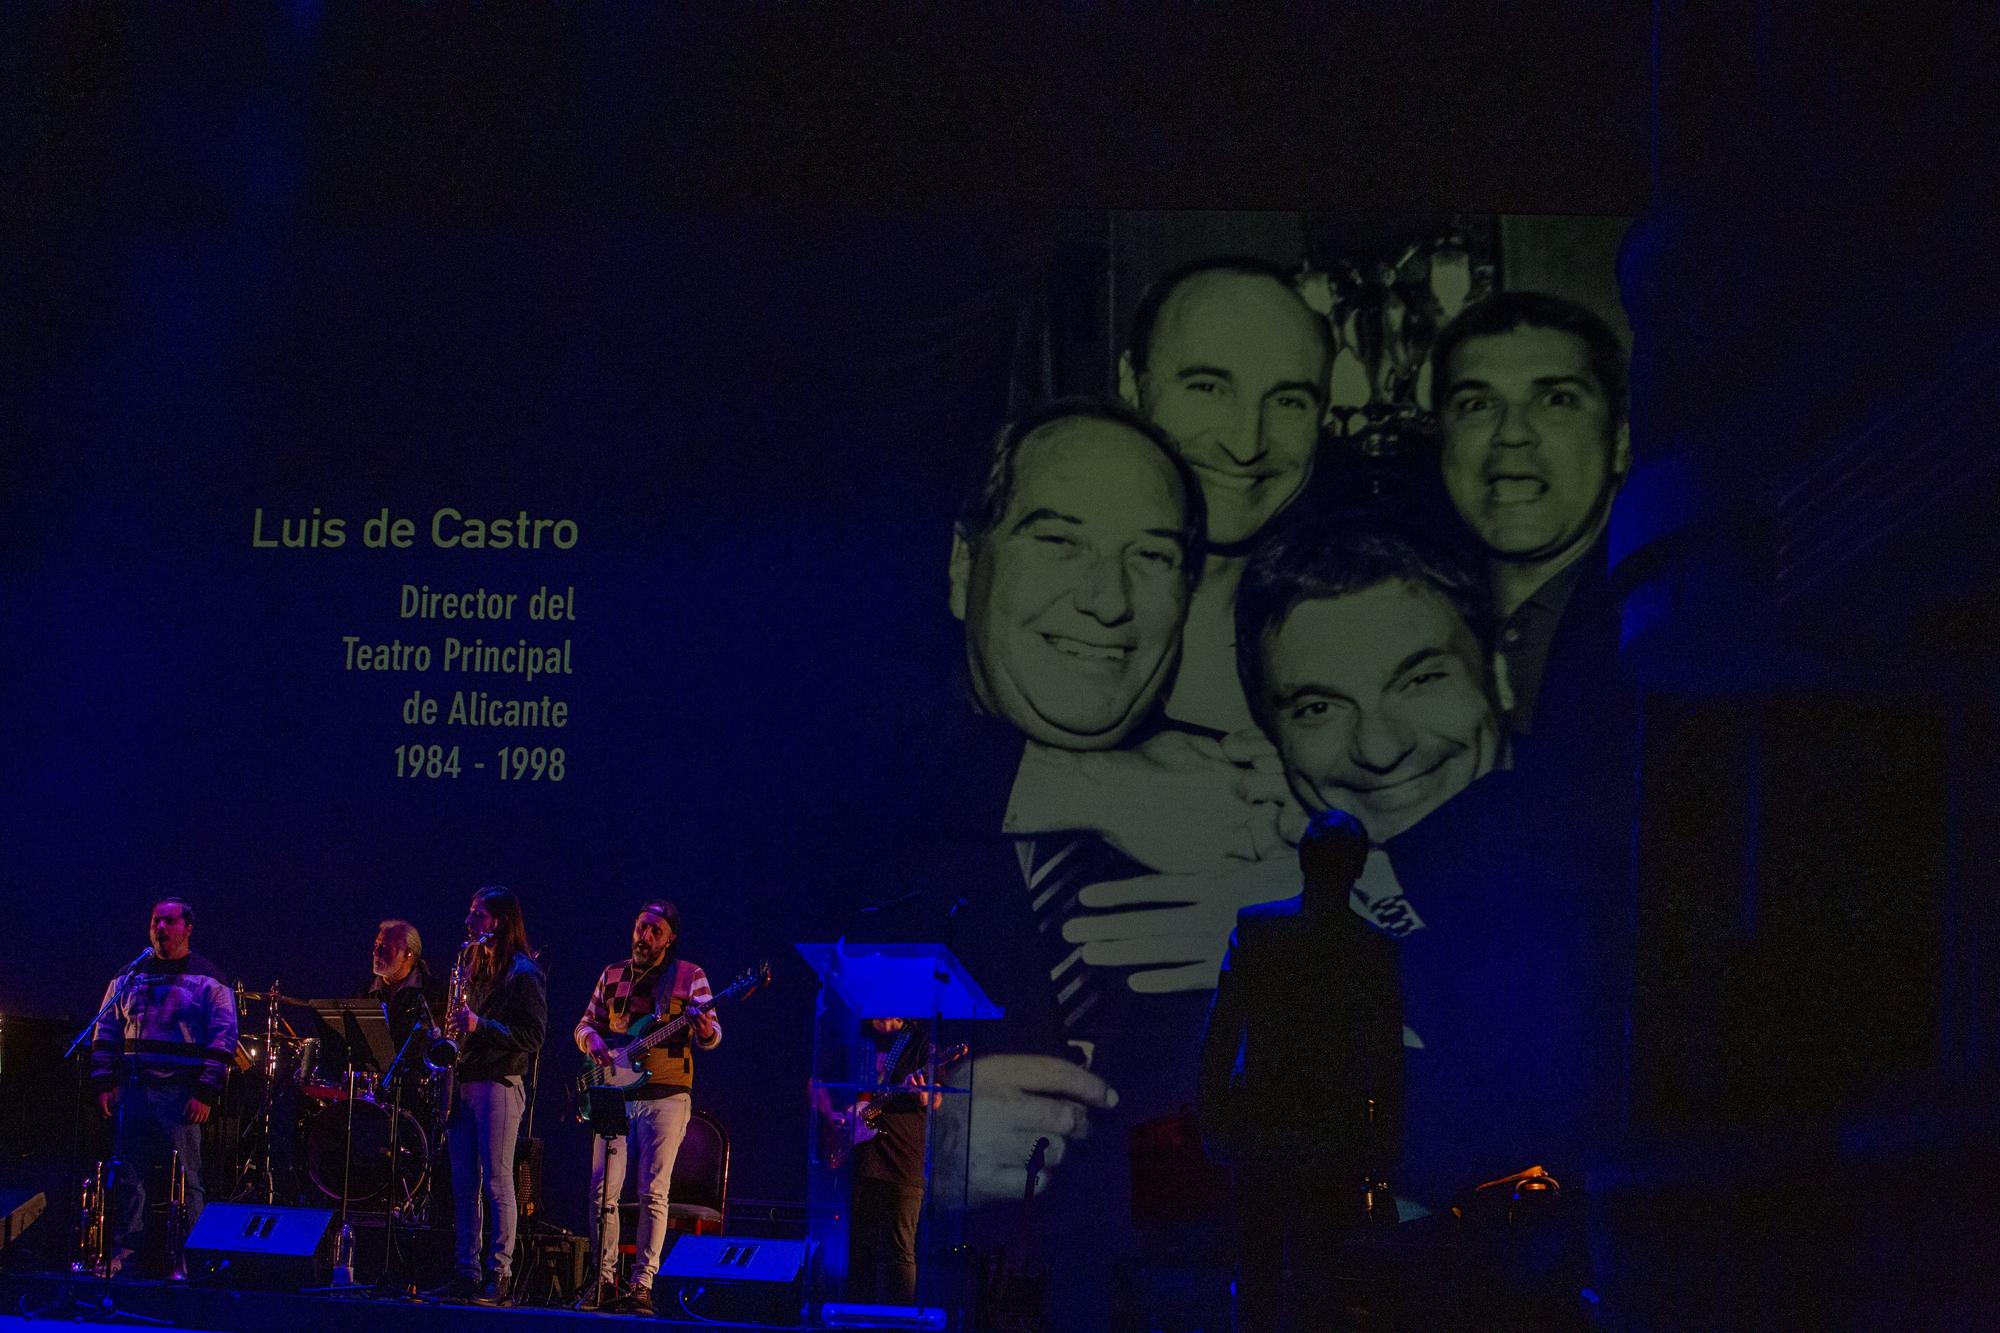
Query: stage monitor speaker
x=265, y=1245
x=744, y=1278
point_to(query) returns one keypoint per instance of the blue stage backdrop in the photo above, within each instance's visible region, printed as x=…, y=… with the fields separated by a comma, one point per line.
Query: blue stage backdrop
x=346, y=569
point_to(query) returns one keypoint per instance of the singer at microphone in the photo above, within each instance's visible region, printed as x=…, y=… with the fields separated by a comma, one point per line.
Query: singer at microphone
x=162, y=1043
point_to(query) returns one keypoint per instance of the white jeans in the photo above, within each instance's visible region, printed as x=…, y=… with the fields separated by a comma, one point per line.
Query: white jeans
x=481, y=1141
x=658, y=1126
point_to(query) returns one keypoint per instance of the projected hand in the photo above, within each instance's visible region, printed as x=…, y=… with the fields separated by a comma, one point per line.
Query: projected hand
x=1177, y=802
x=196, y=1111
x=1182, y=931
x=1020, y=1098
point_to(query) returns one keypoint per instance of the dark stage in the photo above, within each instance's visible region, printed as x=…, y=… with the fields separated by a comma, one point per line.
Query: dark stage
x=54, y=1297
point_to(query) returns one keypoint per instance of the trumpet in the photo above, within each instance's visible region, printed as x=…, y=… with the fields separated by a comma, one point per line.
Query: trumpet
x=177, y=1218
x=93, y=1250
x=442, y=1053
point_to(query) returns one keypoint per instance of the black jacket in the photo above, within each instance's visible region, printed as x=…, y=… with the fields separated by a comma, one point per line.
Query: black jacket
x=1304, y=1031
x=513, y=1020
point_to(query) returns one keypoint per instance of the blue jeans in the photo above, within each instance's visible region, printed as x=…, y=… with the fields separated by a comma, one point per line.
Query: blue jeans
x=152, y=1124
x=481, y=1135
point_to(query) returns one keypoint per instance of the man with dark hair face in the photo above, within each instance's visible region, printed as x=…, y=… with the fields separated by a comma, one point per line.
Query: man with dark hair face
x=1360, y=649
x=1301, y=1078
x=1530, y=397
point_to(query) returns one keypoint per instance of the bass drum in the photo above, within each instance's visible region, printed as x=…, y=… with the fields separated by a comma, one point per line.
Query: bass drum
x=370, y=1170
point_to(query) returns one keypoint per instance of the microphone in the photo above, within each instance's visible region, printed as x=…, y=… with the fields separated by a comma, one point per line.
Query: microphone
x=144, y=954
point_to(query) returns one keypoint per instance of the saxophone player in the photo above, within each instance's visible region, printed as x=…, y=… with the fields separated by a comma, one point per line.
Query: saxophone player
x=497, y=1014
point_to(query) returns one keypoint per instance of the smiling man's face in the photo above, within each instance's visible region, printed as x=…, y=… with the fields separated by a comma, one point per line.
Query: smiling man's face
x=1073, y=603
x=1533, y=451
x=1236, y=373
x=1378, y=703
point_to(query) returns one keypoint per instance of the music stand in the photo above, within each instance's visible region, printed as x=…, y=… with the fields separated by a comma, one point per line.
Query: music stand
x=859, y=982
x=608, y=1121
x=362, y=1028
x=900, y=980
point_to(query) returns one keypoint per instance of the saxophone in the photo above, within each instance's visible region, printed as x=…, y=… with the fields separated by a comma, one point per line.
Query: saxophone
x=442, y=1053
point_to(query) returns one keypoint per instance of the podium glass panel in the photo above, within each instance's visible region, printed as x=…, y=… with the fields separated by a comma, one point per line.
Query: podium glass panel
x=886, y=1014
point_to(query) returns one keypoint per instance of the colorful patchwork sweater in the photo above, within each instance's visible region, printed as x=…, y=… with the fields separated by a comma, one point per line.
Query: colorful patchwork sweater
x=166, y=1021
x=622, y=996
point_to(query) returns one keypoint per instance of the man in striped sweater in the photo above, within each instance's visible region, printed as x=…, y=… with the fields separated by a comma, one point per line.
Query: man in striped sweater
x=162, y=1044
x=654, y=981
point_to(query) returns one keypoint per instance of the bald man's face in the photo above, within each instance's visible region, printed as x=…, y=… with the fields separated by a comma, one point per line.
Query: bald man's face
x=1237, y=375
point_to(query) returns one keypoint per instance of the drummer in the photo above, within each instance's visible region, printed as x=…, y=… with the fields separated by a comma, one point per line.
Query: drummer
x=404, y=984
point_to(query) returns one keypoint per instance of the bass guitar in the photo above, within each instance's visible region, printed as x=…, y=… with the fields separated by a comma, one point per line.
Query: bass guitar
x=843, y=1131
x=628, y=1051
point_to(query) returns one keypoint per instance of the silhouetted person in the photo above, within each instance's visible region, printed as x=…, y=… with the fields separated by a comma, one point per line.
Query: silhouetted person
x=1304, y=1034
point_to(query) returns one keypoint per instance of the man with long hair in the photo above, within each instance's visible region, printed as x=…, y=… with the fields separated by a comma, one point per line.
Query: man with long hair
x=503, y=1017
x=654, y=982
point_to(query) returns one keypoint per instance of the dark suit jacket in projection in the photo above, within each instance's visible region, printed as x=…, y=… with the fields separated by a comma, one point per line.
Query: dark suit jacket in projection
x=948, y=874
x=1306, y=1030
x=1515, y=988
x=1584, y=744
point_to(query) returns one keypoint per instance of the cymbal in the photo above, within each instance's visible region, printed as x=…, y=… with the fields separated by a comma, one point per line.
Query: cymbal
x=264, y=997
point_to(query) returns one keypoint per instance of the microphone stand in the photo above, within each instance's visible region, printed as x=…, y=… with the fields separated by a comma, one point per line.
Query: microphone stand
x=66, y=1303
x=385, y=1285
x=110, y=1002
x=344, y=1245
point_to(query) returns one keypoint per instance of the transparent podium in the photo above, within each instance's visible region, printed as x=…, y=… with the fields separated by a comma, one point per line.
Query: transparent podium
x=862, y=1123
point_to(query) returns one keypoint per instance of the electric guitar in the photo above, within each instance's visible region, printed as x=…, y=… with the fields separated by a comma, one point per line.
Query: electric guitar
x=1013, y=1291
x=842, y=1131
x=628, y=1050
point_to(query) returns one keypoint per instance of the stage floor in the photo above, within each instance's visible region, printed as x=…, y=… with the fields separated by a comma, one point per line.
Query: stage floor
x=61, y=1296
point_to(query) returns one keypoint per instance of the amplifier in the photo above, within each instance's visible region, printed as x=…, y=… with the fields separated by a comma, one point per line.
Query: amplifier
x=549, y=1267
x=264, y=1245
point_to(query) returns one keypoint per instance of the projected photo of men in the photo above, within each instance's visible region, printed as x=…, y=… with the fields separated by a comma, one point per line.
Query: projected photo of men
x=1177, y=645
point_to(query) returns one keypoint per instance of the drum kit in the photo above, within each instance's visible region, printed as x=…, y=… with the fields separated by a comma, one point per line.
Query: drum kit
x=319, y=1124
